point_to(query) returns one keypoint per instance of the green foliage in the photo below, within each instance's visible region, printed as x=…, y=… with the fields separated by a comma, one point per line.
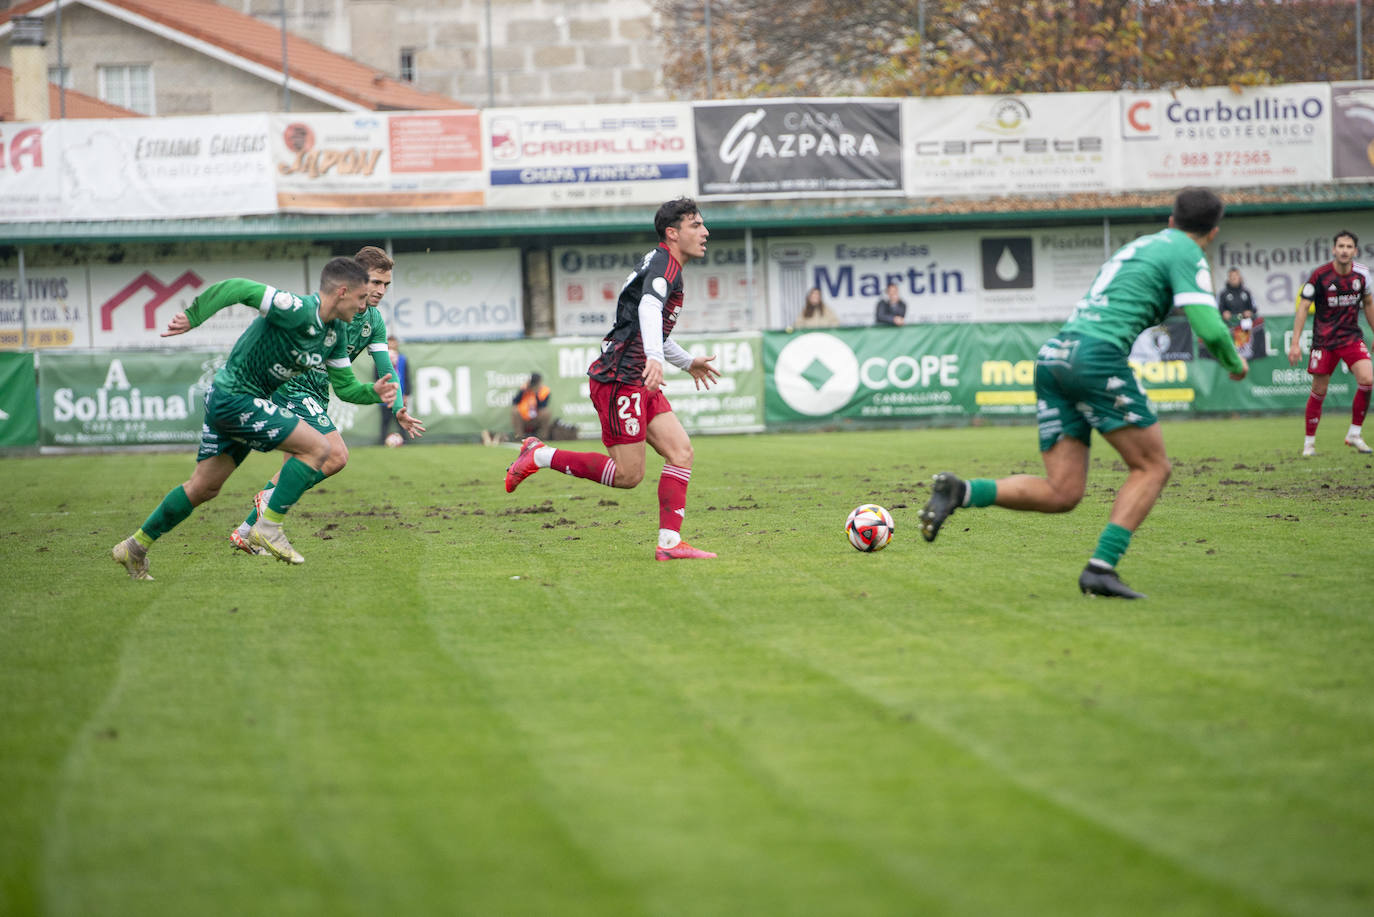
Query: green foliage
x=473, y=702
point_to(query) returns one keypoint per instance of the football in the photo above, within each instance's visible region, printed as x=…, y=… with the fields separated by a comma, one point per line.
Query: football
x=869, y=527
x=393, y=440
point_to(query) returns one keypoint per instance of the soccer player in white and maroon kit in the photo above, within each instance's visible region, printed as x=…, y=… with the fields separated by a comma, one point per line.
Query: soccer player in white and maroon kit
x=626, y=384
x=1337, y=290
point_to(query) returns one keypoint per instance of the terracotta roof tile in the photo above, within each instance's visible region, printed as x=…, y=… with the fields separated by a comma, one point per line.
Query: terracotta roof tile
x=260, y=43
x=78, y=105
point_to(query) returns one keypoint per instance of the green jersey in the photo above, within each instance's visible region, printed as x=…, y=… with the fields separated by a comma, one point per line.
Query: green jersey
x=367, y=331
x=287, y=338
x=1140, y=286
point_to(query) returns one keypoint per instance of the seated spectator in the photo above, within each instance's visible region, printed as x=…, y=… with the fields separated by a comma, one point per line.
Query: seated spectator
x=530, y=414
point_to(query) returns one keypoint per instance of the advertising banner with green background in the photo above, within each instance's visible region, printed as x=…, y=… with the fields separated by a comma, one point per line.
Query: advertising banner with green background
x=18, y=400
x=919, y=374
x=461, y=390
x=123, y=398
x=973, y=372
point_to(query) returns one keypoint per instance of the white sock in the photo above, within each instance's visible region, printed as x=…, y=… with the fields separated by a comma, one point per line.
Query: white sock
x=667, y=538
x=1354, y=430
x=1309, y=440
x=244, y=528
x=543, y=456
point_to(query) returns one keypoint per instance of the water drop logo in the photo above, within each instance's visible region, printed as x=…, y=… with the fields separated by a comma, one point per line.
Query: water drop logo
x=1008, y=263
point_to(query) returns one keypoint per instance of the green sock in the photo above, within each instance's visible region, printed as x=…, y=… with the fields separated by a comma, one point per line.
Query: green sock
x=982, y=492
x=170, y=513
x=1112, y=544
x=253, y=513
x=295, y=479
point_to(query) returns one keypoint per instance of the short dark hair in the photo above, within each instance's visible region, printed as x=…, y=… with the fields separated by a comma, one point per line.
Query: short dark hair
x=535, y=378
x=1345, y=232
x=1197, y=210
x=342, y=272
x=671, y=213
x=374, y=258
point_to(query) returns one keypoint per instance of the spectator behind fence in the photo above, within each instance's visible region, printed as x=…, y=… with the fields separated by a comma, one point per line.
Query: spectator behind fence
x=816, y=314
x=891, y=308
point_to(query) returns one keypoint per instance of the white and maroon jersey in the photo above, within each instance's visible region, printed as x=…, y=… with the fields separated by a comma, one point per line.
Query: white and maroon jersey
x=1338, y=298
x=659, y=276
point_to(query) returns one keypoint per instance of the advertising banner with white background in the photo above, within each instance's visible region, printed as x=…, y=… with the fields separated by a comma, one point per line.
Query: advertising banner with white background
x=376, y=161
x=139, y=168
x=136, y=168
x=799, y=148
x=56, y=302
x=1260, y=135
x=584, y=155
x=1352, y=129
x=716, y=297
x=1276, y=256
x=1019, y=144
x=131, y=304
x=30, y=171
x=450, y=296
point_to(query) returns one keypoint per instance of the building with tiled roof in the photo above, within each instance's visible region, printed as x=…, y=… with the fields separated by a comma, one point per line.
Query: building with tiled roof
x=192, y=57
x=74, y=105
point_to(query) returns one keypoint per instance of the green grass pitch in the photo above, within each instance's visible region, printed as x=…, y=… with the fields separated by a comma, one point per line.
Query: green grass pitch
x=468, y=702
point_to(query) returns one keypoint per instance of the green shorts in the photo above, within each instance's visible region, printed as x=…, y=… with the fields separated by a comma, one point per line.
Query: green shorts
x=236, y=423
x=1084, y=384
x=306, y=405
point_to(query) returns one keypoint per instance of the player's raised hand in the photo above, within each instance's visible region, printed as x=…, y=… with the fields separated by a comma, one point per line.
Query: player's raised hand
x=412, y=425
x=703, y=373
x=653, y=375
x=385, y=389
x=179, y=324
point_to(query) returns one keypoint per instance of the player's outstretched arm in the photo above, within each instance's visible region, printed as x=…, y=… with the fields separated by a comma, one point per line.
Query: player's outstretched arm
x=179, y=324
x=351, y=389
x=703, y=373
x=412, y=425
x=1209, y=327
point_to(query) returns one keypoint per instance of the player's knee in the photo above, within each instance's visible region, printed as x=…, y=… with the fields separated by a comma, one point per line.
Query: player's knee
x=198, y=492
x=681, y=456
x=1065, y=499
x=336, y=461
x=627, y=477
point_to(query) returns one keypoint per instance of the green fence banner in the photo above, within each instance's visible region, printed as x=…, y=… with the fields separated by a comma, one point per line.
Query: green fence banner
x=123, y=398
x=18, y=400
x=461, y=390
x=962, y=373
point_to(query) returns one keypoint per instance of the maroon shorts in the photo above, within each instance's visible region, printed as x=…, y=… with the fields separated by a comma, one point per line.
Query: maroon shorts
x=1324, y=360
x=626, y=410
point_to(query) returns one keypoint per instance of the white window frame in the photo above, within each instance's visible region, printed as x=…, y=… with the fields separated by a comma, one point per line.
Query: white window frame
x=60, y=76
x=105, y=74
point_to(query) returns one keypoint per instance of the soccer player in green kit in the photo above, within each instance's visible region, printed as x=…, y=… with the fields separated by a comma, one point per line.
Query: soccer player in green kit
x=1083, y=382
x=307, y=395
x=292, y=334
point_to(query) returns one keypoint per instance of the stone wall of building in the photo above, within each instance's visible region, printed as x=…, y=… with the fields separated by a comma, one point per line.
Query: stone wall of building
x=536, y=52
